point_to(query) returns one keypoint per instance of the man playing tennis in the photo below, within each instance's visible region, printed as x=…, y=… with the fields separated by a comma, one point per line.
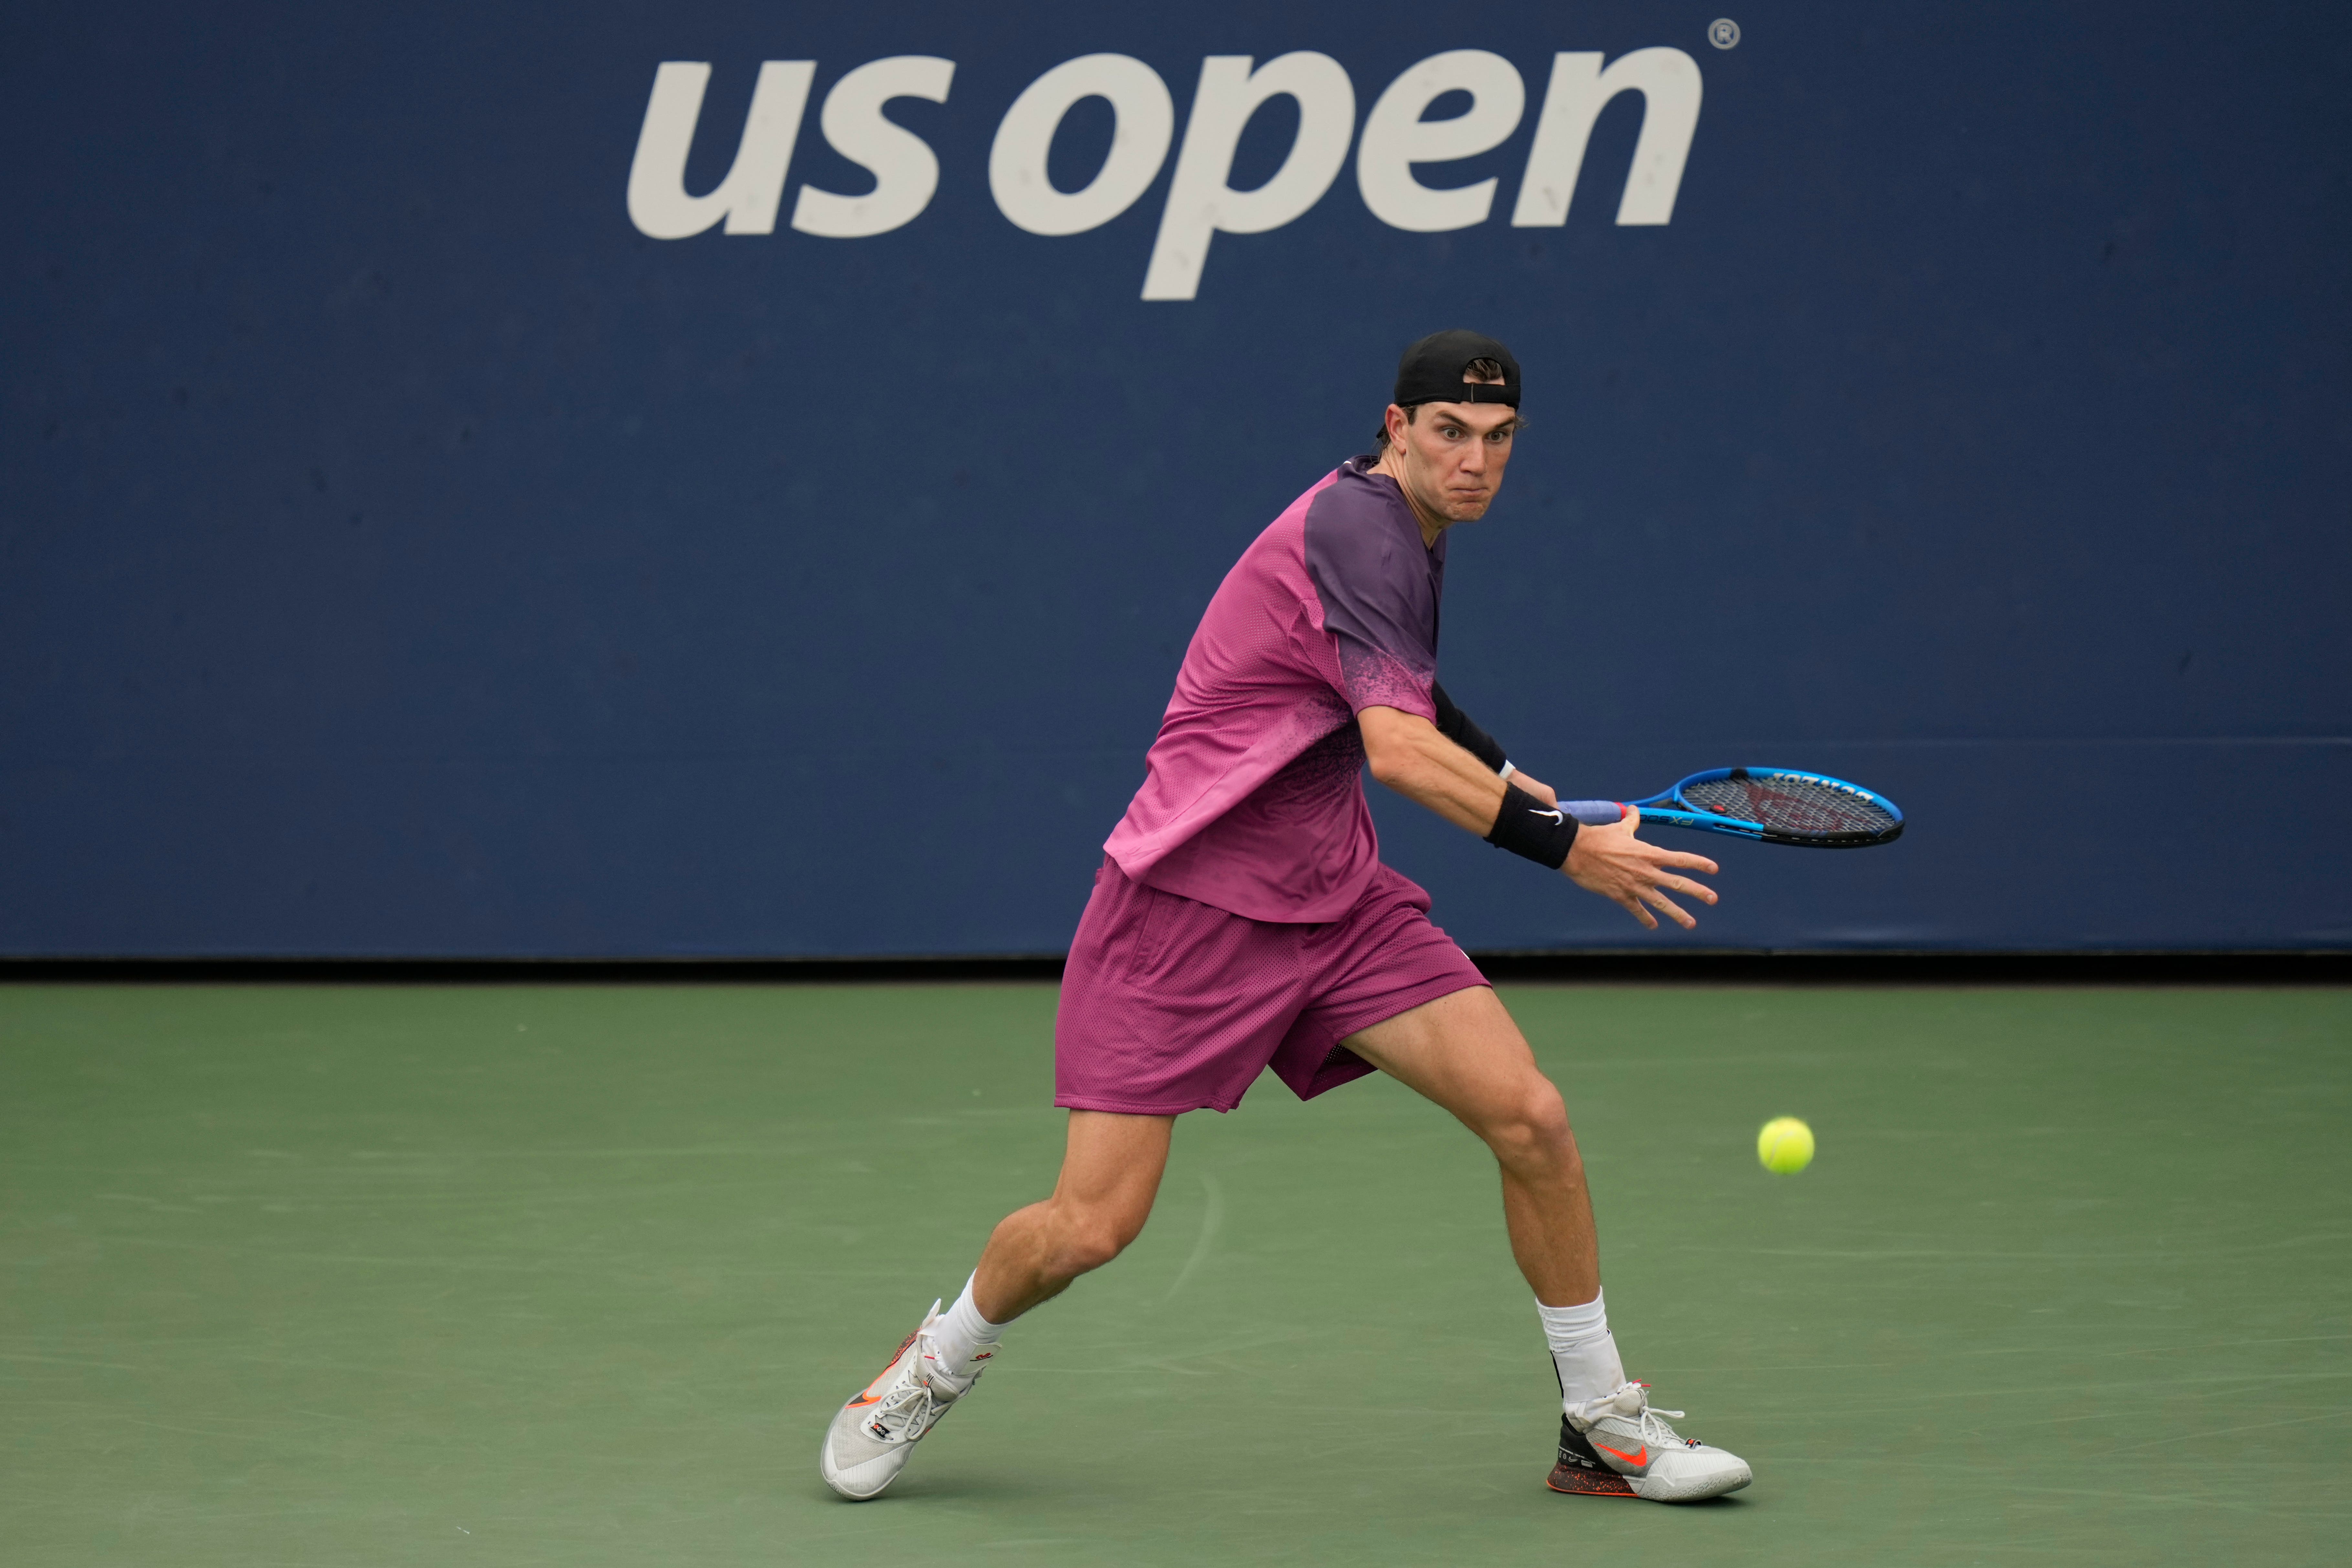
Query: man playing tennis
x=1241, y=919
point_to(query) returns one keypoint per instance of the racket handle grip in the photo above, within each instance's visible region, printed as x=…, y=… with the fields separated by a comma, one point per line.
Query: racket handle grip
x=1594, y=813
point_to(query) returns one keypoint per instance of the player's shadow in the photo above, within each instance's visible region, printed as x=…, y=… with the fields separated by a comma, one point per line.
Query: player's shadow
x=950, y=1486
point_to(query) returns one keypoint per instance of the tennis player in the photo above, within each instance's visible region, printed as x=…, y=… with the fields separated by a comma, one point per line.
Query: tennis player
x=1241, y=919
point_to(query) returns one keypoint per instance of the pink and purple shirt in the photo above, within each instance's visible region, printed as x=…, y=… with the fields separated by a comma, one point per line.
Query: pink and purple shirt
x=1254, y=801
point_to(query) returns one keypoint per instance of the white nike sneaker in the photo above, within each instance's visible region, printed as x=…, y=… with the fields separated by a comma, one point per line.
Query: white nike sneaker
x=1619, y=1437
x=872, y=1436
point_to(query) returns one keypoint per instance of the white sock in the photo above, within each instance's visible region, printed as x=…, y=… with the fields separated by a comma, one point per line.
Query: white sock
x=1584, y=1351
x=962, y=1337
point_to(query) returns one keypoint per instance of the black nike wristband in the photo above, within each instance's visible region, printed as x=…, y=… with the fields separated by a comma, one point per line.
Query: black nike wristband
x=1464, y=731
x=1527, y=827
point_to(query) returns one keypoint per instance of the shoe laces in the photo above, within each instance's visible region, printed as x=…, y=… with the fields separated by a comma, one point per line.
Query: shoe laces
x=1648, y=1420
x=910, y=1407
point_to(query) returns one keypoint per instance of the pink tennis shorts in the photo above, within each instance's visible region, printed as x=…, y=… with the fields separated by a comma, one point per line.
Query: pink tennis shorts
x=1170, y=1005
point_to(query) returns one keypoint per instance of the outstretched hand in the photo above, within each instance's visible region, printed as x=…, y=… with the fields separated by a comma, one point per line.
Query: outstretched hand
x=1611, y=861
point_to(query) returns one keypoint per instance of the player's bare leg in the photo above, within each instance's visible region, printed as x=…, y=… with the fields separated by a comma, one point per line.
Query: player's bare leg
x=1111, y=1174
x=1463, y=1051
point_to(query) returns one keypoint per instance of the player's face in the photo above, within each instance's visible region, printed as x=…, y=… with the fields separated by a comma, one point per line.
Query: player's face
x=1455, y=453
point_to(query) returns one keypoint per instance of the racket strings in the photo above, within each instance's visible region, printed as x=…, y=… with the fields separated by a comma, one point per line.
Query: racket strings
x=1791, y=805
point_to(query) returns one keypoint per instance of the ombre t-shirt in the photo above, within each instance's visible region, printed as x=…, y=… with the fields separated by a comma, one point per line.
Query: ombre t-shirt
x=1254, y=801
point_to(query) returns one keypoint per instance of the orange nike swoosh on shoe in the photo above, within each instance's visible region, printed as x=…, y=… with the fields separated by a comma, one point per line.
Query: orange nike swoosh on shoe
x=863, y=1399
x=1640, y=1459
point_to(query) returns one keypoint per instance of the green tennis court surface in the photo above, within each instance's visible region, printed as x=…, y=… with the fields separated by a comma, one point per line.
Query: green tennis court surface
x=576, y=1276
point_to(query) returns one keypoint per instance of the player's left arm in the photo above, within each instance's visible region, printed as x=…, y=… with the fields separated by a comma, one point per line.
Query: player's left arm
x=1414, y=758
x=1409, y=756
x=1467, y=733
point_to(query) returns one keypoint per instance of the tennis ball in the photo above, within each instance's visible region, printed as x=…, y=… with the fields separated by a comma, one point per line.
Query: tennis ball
x=1785, y=1146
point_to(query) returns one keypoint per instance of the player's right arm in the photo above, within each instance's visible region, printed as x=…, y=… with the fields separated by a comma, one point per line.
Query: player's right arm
x=1408, y=755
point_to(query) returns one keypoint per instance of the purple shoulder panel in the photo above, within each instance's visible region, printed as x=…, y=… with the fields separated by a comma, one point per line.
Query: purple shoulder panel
x=1379, y=588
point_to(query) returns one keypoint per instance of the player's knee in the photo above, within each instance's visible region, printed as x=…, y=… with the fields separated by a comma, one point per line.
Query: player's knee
x=1085, y=1251
x=1091, y=1239
x=1533, y=1128
x=1547, y=1114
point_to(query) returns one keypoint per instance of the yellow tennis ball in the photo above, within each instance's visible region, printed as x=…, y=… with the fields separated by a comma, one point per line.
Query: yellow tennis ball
x=1785, y=1146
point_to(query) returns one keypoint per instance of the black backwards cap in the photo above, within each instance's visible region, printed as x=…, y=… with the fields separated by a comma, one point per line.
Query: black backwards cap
x=1432, y=371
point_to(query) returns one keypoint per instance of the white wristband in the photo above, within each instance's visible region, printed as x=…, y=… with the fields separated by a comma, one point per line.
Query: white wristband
x=1508, y=769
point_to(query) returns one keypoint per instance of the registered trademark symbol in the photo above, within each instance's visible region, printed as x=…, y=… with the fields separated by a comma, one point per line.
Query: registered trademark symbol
x=1723, y=33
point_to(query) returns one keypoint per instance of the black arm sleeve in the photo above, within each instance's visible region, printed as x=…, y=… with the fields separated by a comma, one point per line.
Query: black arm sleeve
x=1457, y=727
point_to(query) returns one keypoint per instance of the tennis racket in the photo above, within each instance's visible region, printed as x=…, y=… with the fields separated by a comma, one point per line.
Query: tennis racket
x=1775, y=805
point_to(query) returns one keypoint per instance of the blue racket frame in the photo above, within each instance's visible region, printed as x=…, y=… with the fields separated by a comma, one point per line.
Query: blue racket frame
x=1673, y=811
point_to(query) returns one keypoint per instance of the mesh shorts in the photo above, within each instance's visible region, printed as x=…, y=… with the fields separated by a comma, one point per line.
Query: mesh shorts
x=1170, y=1005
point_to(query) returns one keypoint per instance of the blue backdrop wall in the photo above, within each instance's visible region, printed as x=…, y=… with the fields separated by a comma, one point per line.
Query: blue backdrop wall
x=402, y=551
